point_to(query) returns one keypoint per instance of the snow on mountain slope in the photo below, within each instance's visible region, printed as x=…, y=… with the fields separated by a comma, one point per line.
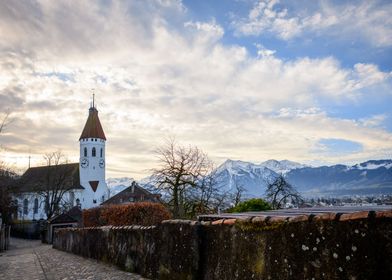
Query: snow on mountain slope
x=370, y=177
x=373, y=176
x=253, y=177
x=374, y=164
x=117, y=185
x=283, y=166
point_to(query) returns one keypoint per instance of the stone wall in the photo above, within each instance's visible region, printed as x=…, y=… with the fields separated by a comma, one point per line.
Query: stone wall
x=326, y=246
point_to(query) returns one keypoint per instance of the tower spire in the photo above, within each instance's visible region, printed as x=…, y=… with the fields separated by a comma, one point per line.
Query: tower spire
x=92, y=103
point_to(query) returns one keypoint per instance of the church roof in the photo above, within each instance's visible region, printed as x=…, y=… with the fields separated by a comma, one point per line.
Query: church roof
x=62, y=176
x=93, y=127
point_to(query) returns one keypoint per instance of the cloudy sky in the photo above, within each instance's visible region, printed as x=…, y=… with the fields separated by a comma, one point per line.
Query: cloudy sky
x=308, y=81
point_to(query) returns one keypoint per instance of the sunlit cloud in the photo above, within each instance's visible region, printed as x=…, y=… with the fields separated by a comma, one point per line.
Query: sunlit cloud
x=158, y=73
x=368, y=20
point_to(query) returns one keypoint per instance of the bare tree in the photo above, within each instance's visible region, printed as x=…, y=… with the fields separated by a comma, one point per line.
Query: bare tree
x=237, y=195
x=280, y=192
x=4, y=121
x=7, y=180
x=206, y=197
x=56, y=180
x=181, y=169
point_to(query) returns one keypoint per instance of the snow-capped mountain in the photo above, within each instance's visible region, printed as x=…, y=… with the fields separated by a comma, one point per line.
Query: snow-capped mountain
x=116, y=185
x=283, y=166
x=374, y=164
x=370, y=177
x=254, y=178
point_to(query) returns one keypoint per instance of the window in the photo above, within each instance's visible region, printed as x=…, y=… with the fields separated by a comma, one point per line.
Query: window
x=85, y=151
x=94, y=201
x=94, y=152
x=36, y=206
x=25, y=206
x=78, y=202
x=101, y=152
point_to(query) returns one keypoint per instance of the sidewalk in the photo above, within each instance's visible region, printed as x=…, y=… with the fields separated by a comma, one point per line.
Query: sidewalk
x=30, y=259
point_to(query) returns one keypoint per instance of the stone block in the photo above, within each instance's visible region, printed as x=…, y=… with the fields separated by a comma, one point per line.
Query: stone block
x=354, y=216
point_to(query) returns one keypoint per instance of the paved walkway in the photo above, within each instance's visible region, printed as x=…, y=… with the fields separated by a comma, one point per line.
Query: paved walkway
x=32, y=260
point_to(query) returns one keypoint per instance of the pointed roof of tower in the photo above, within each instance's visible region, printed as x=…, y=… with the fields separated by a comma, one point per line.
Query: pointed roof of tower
x=93, y=127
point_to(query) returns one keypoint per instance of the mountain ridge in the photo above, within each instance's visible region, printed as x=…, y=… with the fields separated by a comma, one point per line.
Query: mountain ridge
x=369, y=177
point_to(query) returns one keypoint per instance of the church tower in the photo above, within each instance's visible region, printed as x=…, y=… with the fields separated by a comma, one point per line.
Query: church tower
x=92, y=161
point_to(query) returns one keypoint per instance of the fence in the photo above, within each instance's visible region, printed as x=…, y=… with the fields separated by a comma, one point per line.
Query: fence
x=27, y=229
x=4, y=237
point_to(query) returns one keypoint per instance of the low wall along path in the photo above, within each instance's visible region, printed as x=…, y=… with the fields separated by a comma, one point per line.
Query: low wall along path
x=304, y=245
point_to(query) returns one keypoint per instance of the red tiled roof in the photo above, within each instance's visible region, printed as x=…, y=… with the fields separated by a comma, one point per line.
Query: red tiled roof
x=93, y=127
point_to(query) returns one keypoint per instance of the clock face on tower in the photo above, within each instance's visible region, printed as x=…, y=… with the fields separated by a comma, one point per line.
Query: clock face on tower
x=84, y=162
x=101, y=163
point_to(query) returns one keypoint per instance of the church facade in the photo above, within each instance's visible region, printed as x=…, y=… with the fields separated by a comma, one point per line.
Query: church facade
x=77, y=184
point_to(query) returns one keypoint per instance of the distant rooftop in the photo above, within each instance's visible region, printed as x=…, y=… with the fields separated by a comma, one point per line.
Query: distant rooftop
x=306, y=213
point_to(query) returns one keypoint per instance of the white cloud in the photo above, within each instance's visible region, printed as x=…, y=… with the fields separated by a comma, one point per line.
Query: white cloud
x=374, y=121
x=153, y=80
x=369, y=20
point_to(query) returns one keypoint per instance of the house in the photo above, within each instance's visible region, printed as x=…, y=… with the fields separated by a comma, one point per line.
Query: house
x=72, y=218
x=134, y=193
x=82, y=183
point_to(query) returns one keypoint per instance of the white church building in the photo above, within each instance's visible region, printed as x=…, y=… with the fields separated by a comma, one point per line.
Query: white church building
x=83, y=183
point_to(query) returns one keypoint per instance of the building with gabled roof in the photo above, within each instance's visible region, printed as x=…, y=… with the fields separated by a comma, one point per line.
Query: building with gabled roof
x=83, y=183
x=36, y=179
x=134, y=193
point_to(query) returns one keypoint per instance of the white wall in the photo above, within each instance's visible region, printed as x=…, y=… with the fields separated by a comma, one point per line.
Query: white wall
x=31, y=215
x=94, y=171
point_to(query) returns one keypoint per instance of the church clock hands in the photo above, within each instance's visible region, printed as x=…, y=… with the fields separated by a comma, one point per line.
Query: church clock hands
x=101, y=163
x=84, y=162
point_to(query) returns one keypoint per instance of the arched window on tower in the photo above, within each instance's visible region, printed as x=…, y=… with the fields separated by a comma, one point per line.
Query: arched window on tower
x=85, y=152
x=94, y=152
x=101, y=152
x=25, y=206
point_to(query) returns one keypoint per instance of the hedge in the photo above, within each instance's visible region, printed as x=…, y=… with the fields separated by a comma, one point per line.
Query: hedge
x=254, y=204
x=140, y=213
